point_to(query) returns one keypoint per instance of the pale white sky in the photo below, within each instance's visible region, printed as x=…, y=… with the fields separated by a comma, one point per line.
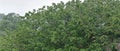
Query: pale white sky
x=23, y=6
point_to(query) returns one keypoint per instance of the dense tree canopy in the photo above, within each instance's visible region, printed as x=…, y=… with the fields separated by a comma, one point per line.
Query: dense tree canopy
x=8, y=22
x=93, y=25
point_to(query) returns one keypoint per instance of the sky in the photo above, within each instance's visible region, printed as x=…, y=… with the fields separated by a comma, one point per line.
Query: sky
x=23, y=6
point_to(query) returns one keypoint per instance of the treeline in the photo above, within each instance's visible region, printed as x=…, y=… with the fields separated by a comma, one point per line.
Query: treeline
x=92, y=25
x=8, y=23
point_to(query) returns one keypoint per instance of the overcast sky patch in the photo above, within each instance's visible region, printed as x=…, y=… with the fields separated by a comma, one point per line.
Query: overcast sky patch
x=23, y=6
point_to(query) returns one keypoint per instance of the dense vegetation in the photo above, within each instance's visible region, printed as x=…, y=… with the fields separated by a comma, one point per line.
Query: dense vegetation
x=93, y=25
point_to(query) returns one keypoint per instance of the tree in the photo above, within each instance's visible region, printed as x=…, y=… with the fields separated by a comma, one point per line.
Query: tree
x=8, y=22
x=93, y=25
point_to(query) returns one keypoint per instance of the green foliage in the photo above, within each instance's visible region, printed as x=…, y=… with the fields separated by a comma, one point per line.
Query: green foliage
x=93, y=25
x=8, y=22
